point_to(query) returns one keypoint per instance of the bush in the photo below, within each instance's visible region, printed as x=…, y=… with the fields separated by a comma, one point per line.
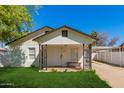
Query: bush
x=13, y=58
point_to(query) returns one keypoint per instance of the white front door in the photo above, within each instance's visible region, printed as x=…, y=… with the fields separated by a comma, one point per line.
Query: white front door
x=63, y=56
x=74, y=54
x=53, y=56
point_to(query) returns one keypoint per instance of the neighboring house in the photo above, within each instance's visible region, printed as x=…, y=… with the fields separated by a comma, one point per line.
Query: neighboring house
x=63, y=46
x=100, y=48
x=122, y=45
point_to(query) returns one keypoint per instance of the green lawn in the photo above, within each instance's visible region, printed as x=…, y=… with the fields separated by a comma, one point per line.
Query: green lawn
x=30, y=77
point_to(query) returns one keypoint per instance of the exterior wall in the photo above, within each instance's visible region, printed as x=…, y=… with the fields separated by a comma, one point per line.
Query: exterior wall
x=25, y=47
x=26, y=43
x=73, y=38
x=55, y=52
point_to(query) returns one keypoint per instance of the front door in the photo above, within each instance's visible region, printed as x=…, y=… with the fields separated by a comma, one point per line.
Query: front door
x=74, y=54
x=63, y=56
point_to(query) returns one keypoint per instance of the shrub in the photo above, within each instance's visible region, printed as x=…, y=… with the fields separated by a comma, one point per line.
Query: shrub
x=13, y=58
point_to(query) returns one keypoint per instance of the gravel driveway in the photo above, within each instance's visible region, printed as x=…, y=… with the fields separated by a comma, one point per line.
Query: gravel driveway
x=112, y=74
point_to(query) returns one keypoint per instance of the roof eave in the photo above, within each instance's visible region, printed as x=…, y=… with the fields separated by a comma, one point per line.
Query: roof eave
x=27, y=34
x=69, y=28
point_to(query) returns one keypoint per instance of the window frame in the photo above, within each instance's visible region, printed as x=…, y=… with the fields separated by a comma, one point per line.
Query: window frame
x=46, y=32
x=64, y=33
x=32, y=54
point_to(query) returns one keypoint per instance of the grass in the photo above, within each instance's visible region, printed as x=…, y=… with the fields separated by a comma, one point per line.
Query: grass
x=31, y=78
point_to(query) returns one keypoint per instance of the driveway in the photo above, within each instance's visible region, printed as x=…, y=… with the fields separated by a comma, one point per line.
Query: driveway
x=112, y=74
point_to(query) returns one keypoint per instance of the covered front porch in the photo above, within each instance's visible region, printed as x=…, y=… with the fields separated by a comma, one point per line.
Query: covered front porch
x=65, y=47
x=65, y=56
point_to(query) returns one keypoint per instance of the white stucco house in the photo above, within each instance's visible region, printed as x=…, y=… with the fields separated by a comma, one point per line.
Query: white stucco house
x=49, y=47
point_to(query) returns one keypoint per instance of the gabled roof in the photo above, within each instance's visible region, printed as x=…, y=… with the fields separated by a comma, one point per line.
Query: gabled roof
x=29, y=34
x=68, y=28
x=51, y=32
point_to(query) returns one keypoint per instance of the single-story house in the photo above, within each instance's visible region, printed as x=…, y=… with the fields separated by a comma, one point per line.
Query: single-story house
x=122, y=45
x=64, y=46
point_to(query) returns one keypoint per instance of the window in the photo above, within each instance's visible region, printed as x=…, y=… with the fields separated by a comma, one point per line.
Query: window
x=46, y=32
x=64, y=33
x=32, y=53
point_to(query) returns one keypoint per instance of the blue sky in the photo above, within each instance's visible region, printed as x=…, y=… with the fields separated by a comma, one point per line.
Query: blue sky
x=109, y=19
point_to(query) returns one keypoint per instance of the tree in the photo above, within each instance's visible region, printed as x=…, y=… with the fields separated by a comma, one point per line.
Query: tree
x=113, y=41
x=102, y=39
x=94, y=34
x=15, y=21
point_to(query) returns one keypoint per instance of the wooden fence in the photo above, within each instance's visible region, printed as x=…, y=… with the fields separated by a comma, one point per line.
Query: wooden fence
x=113, y=56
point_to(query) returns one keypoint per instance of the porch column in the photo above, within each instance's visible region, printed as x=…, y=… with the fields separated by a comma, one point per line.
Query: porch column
x=39, y=56
x=90, y=54
x=87, y=56
x=42, y=57
x=83, y=55
x=45, y=56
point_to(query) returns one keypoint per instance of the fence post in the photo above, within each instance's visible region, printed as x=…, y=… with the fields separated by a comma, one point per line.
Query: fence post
x=100, y=56
x=105, y=56
x=120, y=56
x=111, y=55
x=97, y=55
x=122, y=52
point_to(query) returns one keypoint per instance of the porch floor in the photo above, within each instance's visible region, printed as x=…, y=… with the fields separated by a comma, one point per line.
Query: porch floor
x=60, y=69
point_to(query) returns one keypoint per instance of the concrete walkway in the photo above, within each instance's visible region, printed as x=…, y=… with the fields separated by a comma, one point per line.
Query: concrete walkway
x=112, y=74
